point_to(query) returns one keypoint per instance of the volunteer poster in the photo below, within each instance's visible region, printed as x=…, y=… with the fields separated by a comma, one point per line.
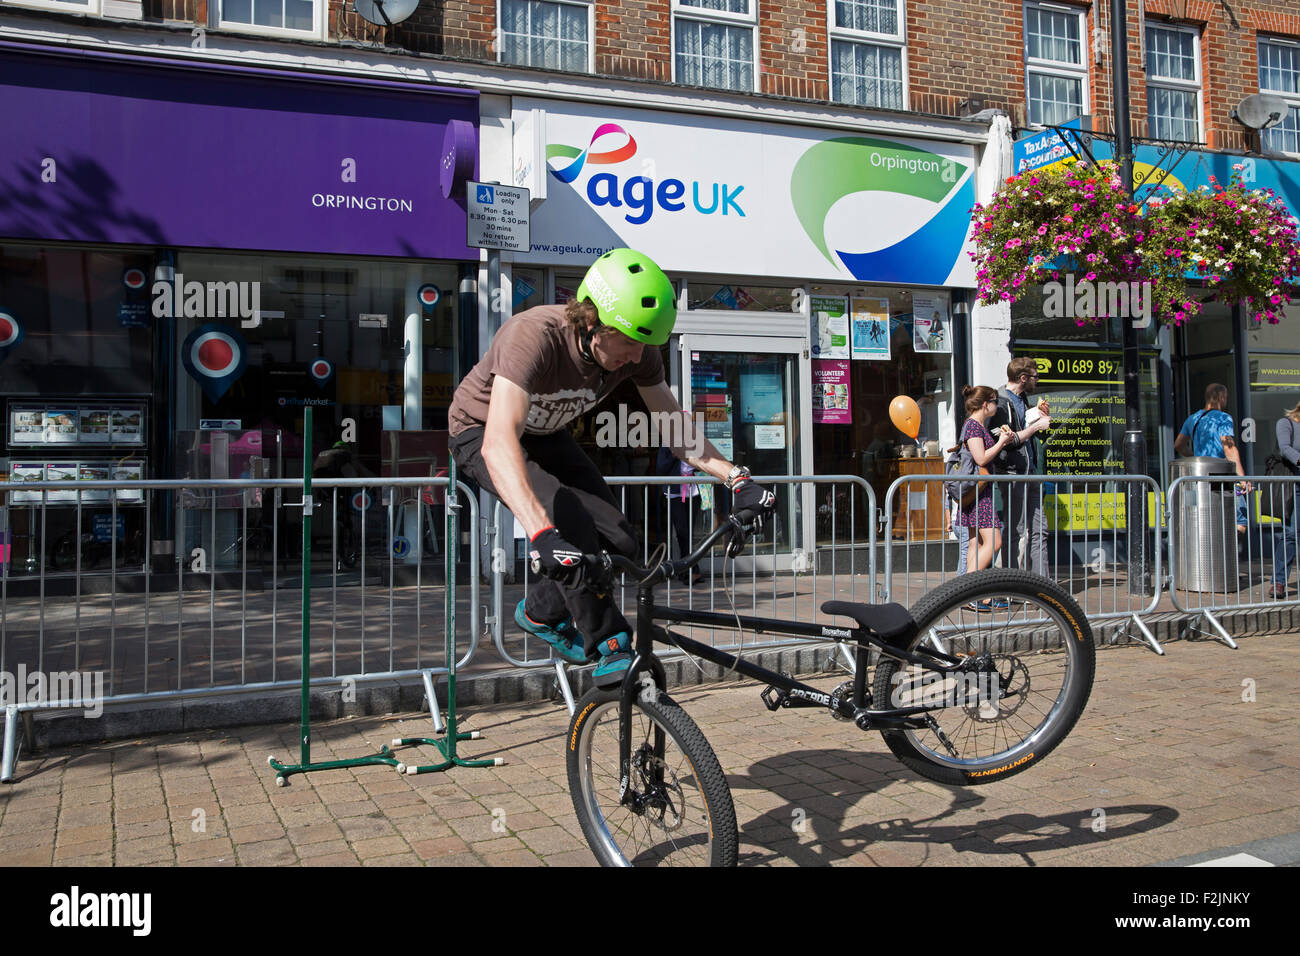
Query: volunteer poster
x=930, y=330
x=870, y=328
x=830, y=329
x=830, y=404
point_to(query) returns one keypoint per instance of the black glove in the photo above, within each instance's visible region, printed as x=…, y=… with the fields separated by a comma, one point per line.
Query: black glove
x=751, y=500
x=554, y=557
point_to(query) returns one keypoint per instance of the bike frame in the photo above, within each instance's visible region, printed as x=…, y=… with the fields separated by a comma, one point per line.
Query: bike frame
x=788, y=691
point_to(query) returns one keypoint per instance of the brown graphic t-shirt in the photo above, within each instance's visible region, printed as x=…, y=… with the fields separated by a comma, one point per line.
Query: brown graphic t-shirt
x=538, y=351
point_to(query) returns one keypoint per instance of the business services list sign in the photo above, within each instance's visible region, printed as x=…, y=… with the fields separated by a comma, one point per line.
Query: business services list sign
x=705, y=194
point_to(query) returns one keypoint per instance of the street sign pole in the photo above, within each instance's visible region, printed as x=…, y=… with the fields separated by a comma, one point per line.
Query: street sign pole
x=1134, y=448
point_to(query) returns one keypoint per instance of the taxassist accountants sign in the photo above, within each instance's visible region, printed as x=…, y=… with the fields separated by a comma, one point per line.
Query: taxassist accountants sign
x=101, y=148
x=706, y=194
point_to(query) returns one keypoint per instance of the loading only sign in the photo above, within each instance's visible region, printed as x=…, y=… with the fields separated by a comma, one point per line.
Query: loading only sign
x=497, y=217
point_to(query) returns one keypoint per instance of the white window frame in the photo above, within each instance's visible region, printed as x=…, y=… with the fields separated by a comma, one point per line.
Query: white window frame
x=90, y=8
x=318, y=31
x=591, y=33
x=1292, y=99
x=1183, y=86
x=726, y=18
x=1056, y=67
x=897, y=40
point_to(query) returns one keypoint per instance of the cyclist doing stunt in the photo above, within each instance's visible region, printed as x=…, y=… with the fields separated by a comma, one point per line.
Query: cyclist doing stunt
x=509, y=421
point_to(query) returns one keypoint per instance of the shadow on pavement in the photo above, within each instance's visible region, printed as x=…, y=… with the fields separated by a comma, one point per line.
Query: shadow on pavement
x=812, y=830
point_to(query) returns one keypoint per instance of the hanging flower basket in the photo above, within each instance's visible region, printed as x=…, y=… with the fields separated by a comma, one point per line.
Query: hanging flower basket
x=1074, y=219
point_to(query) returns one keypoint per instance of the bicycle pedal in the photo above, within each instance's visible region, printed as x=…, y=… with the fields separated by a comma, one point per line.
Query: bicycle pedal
x=773, y=697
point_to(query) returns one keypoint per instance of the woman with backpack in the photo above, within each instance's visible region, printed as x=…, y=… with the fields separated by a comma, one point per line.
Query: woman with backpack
x=985, y=528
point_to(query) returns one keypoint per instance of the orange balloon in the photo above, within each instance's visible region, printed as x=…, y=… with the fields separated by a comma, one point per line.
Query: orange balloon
x=905, y=414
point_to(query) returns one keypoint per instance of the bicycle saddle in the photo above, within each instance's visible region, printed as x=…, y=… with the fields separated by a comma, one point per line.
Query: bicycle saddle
x=892, y=623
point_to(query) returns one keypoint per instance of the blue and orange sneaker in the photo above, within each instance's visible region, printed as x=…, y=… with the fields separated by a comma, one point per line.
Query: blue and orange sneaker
x=564, y=638
x=614, y=660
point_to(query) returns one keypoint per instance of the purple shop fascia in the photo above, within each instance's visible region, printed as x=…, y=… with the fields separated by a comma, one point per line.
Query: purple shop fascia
x=150, y=153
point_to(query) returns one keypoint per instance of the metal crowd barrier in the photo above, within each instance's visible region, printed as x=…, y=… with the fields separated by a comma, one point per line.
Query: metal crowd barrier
x=820, y=546
x=1216, y=567
x=81, y=592
x=1080, y=521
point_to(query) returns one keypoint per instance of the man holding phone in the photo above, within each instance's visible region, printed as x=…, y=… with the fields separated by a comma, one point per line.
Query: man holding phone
x=1025, y=515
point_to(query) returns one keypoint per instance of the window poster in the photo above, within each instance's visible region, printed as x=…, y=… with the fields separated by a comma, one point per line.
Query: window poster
x=930, y=324
x=24, y=471
x=830, y=327
x=94, y=471
x=27, y=426
x=129, y=471
x=61, y=426
x=62, y=471
x=94, y=425
x=762, y=392
x=126, y=425
x=870, y=318
x=830, y=397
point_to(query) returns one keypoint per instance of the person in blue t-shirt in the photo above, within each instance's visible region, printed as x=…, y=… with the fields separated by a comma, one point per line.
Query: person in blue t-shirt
x=1210, y=433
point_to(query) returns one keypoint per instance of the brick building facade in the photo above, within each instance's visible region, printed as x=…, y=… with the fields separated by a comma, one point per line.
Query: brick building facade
x=953, y=56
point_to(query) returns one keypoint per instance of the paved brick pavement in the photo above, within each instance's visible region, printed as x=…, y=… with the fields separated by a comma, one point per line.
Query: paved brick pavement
x=1168, y=750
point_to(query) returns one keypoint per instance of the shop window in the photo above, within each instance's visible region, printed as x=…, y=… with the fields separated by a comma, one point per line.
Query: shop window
x=85, y=320
x=713, y=43
x=1174, y=82
x=543, y=34
x=1056, y=67
x=295, y=17
x=1279, y=72
x=722, y=295
x=899, y=342
x=867, y=52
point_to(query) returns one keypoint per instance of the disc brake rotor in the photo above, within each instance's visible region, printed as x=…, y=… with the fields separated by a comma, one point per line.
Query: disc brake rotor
x=1002, y=689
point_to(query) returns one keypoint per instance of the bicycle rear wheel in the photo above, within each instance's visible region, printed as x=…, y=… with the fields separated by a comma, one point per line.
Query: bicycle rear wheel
x=680, y=811
x=1003, y=718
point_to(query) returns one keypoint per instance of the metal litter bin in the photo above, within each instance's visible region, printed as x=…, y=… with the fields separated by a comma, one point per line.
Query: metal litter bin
x=1203, y=526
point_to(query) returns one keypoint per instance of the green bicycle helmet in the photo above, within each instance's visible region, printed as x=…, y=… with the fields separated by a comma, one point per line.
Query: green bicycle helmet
x=632, y=294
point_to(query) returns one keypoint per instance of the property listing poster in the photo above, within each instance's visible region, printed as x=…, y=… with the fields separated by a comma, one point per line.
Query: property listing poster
x=930, y=326
x=830, y=327
x=830, y=404
x=870, y=320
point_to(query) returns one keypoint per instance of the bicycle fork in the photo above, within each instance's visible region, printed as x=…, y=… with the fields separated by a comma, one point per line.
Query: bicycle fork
x=645, y=679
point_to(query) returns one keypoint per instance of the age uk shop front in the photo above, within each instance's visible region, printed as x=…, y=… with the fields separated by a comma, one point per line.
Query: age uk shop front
x=189, y=257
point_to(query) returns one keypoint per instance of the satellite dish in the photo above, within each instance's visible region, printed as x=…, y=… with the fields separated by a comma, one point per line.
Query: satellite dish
x=1261, y=110
x=384, y=13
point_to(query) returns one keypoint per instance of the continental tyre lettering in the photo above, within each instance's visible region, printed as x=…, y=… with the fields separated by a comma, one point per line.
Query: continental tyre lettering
x=1078, y=633
x=996, y=770
x=577, y=725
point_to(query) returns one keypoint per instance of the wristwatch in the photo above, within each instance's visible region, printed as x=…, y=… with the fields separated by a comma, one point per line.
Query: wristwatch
x=736, y=474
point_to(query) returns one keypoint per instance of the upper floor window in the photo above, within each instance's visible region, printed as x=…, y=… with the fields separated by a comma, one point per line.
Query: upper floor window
x=90, y=7
x=552, y=35
x=867, y=52
x=304, y=18
x=1174, y=82
x=1056, y=64
x=713, y=43
x=1279, y=72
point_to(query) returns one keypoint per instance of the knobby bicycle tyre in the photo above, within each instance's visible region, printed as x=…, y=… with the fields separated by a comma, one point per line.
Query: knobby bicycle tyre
x=687, y=820
x=1043, y=648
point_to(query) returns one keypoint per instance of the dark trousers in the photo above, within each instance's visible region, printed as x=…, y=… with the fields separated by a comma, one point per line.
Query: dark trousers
x=574, y=494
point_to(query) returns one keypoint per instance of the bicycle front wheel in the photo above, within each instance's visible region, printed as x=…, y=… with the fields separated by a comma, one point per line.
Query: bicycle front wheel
x=1012, y=706
x=678, y=809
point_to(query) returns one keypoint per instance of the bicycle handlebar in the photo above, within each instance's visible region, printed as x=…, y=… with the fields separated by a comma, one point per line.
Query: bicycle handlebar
x=604, y=563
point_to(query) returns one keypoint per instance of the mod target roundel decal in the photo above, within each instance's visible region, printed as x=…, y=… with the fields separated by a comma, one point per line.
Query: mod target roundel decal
x=321, y=371
x=11, y=331
x=215, y=356
x=429, y=295
x=134, y=279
